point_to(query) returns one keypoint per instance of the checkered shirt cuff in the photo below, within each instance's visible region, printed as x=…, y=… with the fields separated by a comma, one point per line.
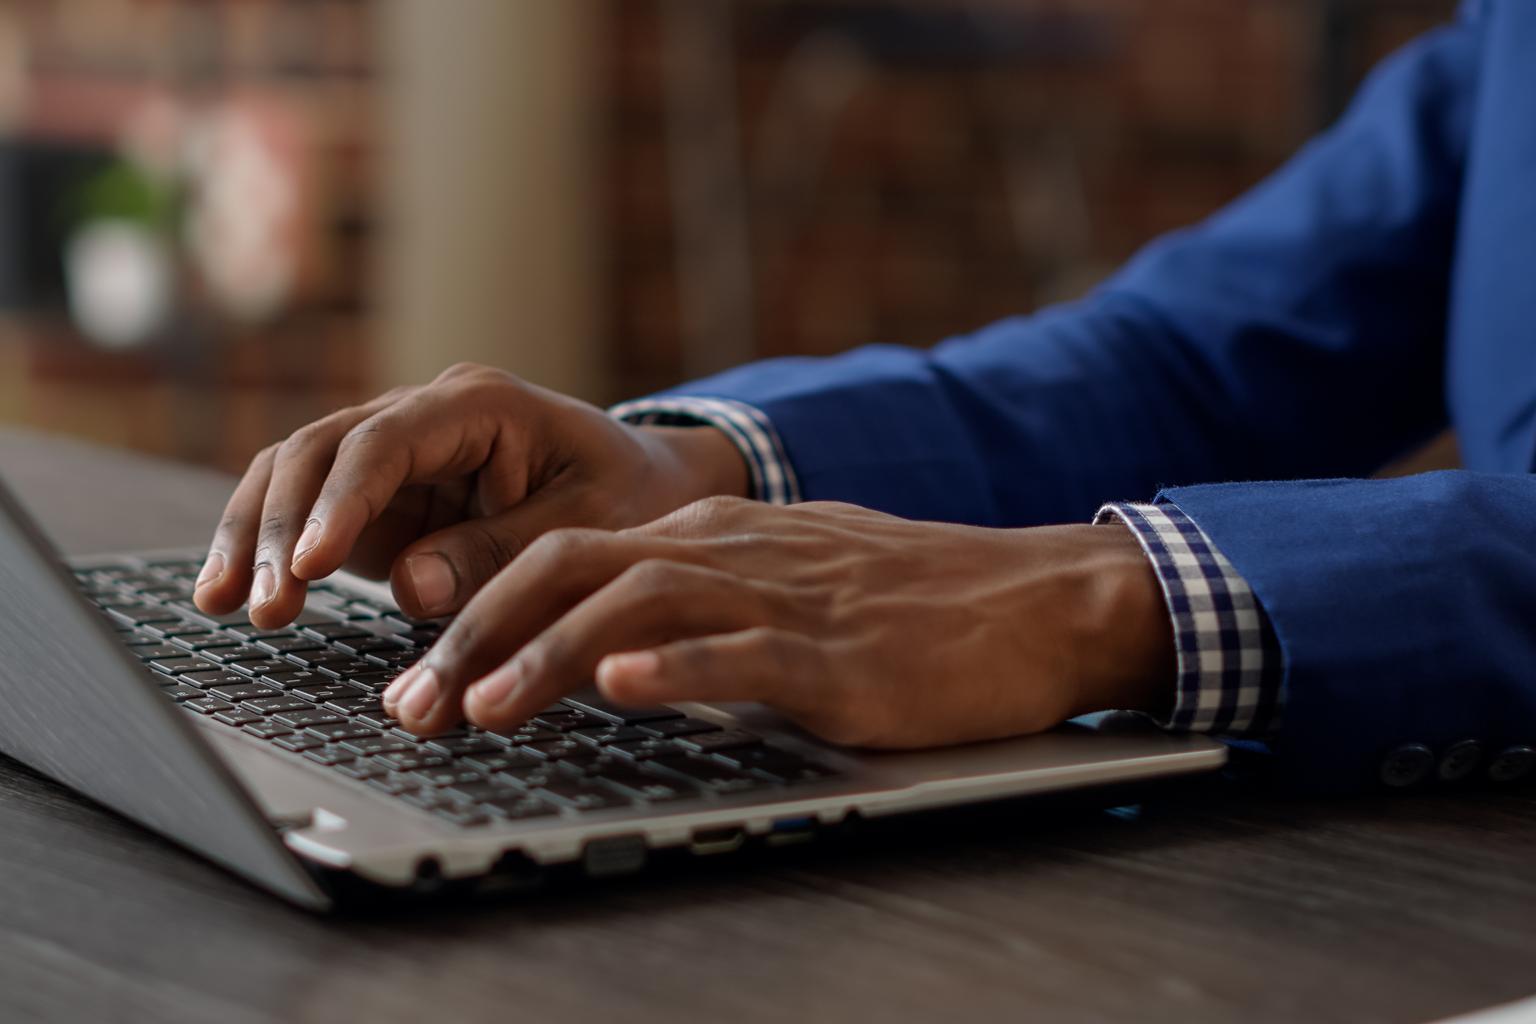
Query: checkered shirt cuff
x=773, y=478
x=1230, y=669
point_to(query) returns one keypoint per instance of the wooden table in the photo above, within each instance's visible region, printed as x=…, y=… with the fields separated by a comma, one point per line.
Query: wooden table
x=1207, y=905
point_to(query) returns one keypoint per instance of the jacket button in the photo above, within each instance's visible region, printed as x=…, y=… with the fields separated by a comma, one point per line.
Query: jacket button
x=1408, y=765
x=1512, y=764
x=1460, y=760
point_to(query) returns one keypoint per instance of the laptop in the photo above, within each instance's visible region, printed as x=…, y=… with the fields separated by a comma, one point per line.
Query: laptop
x=268, y=752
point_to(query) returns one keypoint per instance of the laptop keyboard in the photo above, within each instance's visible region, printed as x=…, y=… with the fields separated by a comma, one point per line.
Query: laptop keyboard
x=313, y=690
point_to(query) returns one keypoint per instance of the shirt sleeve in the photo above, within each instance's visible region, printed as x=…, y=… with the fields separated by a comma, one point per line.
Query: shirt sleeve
x=773, y=478
x=1230, y=669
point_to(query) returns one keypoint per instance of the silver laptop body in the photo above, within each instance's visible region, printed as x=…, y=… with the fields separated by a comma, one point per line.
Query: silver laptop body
x=80, y=706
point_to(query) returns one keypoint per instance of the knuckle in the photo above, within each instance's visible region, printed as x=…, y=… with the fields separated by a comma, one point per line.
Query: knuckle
x=653, y=574
x=563, y=545
x=461, y=369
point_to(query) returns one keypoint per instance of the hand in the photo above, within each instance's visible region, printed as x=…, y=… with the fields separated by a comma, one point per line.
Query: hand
x=865, y=629
x=438, y=487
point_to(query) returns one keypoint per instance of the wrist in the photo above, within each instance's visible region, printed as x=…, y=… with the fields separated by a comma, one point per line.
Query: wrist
x=1130, y=661
x=702, y=460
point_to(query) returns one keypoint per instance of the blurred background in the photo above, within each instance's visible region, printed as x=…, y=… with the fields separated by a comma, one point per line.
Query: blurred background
x=220, y=219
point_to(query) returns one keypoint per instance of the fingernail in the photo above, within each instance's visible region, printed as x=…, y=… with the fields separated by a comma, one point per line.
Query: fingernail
x=432, y=579
x=497, y=688
x=395, y=690
x=212, y=570
x=631, y=665
x=419, y=699
x=308, y=539
x=264, y=586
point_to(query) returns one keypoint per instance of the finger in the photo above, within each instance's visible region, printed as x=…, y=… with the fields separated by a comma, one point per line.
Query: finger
x=439, y=573
x=781, y=669
x=425, y=438
x=225, y=579
x=298, y=469
x=553, y=575
x=652, y=602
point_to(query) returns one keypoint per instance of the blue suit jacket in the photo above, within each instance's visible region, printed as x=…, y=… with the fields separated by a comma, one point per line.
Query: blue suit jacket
x=1378, y=287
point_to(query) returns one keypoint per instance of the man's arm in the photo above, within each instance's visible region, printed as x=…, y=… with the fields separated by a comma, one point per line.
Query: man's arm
x=1297, y=333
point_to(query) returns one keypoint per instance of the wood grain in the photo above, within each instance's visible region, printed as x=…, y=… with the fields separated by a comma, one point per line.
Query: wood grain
x=1209, y=904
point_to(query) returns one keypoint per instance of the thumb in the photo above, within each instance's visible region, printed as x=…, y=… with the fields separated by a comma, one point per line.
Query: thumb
x=438, y=574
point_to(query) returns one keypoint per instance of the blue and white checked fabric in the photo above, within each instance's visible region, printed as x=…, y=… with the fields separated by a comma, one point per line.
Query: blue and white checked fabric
x=773, y=478
x=1230, y=669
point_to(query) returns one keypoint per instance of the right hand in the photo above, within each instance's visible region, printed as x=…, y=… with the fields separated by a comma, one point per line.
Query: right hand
x=438, y=487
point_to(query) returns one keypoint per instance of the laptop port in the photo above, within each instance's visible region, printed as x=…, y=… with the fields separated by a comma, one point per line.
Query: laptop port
x=717, y=840
x=787, y=831
x=614, y=855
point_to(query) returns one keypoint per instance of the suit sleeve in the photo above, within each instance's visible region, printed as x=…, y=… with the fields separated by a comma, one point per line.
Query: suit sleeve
x=1403, y=608
x=1299, y=332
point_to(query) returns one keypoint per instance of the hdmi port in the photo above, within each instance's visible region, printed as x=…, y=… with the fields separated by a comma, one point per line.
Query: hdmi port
x=717, y=840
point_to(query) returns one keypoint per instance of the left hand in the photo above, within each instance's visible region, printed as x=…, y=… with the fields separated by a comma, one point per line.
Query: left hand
x=865, y=629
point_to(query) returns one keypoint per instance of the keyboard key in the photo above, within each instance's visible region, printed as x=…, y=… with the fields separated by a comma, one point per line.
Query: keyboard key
x=361, y=771
x=583, y=796
x=637, y=784
x=606, y=734
x=357, y=706
x=364, y=645
x=288, y=644
x=329, y=755
x=517, y=807
x=293, y=679
x=181, y=693
x=395, y=784
x=777, y=765
x=618, y=714
x=235, y=694
x=207, y=705
x=448, y=775
x=552, y=750
x=378, y=719
x=251, y=634
x=345, y=667
x=267, y=730
x=322, y=692
x=225, y=655
x=496, y=762
x=678, y=727
x=567, y=721
x=305, y=719
x=236, y=716
x=724, y=739
x=640, y=750
x=461, y=745
x=297, y=744
x=398, y=658
x=367, y=746
x=257, y=667
x=428, y=799
x=270, y=705
x=211, y=680
x=412, y=760
x=156, y=651
x=480, y=789
x=708, y=773
x=334, y=631
x=522, y=737
x=318, y=659
x=586, y=762
x=177, y=666
x=341, y=731
x=527, y=777
x=202, y=642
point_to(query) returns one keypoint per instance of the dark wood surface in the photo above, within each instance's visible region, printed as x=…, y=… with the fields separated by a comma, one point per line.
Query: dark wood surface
x=1210, y=904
